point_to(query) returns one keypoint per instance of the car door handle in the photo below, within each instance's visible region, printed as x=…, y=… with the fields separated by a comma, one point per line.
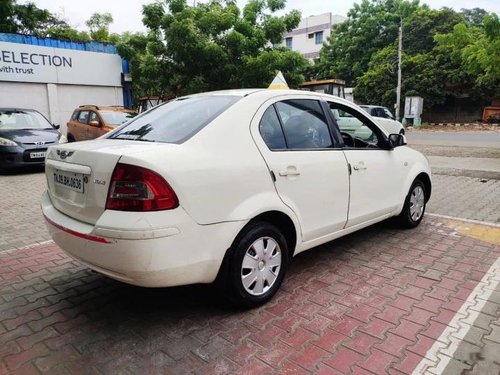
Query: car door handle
x=359, y=167
x=290, y=171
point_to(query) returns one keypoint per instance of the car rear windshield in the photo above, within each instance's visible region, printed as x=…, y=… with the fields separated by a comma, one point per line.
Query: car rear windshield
x=21, y=119
x=116, y=118
x=175, y=121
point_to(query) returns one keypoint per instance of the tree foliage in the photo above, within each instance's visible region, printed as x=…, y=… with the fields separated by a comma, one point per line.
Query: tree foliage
x=476, y=49
x=371, y=26
x=425, y=67
x=28, y=19
x=211, y=46
x=445, y=53
x=98, y=24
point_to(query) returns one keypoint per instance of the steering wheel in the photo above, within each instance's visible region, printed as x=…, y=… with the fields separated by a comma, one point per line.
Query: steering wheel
x=348, y=139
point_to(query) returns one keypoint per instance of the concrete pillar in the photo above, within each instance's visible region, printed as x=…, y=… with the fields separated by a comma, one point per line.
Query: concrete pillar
x=53, y=100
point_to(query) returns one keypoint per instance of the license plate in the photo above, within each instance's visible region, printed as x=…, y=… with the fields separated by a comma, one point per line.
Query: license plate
x=38, y=155
x=73, y=181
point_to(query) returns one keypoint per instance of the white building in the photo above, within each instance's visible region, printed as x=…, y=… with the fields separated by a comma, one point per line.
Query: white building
x=312, y=31
x=55, y=77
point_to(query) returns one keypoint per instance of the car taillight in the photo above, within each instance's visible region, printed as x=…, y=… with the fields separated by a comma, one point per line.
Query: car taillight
x=135, y=188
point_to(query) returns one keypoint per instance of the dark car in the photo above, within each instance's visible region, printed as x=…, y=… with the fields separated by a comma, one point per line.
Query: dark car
x=25, y=135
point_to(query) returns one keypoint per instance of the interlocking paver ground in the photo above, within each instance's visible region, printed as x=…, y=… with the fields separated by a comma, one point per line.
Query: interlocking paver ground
x=466, y=197
x=21, y=221
x=340, y=310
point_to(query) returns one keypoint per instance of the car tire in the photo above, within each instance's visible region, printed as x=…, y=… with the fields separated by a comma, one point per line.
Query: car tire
x=257, y=265
x=71, y=138
x=414, y=206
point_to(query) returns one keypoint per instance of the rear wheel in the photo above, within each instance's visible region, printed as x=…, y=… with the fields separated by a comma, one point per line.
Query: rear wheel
x=414, y=207
x=71, y=138
x=257, y=266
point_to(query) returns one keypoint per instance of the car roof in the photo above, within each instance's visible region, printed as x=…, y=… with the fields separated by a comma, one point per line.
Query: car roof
x=115, y=108
x=370, y=106
x=7, y=109
x=269, y=93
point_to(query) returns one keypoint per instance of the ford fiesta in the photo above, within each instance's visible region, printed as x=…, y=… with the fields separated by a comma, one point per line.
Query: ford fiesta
x=228, y=186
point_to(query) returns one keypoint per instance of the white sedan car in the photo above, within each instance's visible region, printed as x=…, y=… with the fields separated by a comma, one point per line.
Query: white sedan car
x=227, y=186
x=384, y=118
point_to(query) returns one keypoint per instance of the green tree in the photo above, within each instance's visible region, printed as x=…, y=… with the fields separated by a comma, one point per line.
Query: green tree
x=98, y=24
x=474, y=16
x=212, y=45
x=476, y=49
x=30, y=20
x=7, y=17
x=371, y=26
x=150, y=72
x=427, y=69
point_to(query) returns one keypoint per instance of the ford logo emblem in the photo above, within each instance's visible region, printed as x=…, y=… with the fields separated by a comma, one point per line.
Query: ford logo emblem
x=64, y=154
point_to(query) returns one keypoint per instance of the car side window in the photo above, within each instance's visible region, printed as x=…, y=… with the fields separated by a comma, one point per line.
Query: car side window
x=83, y=117
x=356, y=130
x=93, y=117
x=270, y=130
x=304, y=124
x=388, y=114
x=74, y=116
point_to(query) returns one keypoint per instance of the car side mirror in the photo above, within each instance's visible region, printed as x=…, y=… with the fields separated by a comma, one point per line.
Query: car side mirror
x=397, y=140
x=94, y=123
x=56, y=126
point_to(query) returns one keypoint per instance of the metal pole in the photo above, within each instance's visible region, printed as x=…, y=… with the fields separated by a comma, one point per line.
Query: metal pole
x=398, y=89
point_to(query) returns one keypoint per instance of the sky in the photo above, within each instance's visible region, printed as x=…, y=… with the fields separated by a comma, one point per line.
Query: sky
x=127, y=13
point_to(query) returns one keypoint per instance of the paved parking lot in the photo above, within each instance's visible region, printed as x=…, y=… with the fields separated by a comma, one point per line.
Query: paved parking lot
x=374, y=302
x=379, y=301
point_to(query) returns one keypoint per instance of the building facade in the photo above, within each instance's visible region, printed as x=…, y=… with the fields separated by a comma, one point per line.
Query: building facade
x=312, y=31
x=54, y=76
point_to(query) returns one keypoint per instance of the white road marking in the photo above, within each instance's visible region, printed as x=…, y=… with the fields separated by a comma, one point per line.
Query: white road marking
x=440, y=354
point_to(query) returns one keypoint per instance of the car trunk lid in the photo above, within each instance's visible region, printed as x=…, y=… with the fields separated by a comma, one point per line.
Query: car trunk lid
x=79, y=175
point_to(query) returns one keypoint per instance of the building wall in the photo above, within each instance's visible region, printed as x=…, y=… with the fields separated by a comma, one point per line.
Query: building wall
x=304, y=36
x=56, y=102
x=25, y=95
x=33, y=75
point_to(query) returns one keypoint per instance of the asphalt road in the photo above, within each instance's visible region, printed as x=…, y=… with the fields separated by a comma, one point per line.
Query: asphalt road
x=463, y=139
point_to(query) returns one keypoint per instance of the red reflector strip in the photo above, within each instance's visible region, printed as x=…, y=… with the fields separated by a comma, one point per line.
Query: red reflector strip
x=78, y=234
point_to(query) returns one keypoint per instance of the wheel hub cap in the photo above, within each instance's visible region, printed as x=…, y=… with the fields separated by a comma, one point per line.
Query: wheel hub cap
x=417, y=203
x=261, y=266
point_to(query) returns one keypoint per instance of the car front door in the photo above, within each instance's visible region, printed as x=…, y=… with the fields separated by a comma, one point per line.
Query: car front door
x=94, y=131
x=82, y=126
x=376, y=172
x=310, y=172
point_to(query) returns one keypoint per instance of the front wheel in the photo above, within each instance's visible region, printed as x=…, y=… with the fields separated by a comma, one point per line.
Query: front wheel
x=414, y=207
x=258, y=265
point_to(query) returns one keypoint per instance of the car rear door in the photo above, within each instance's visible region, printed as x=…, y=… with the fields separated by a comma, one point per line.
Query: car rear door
x=377, y=172
x=310, y=173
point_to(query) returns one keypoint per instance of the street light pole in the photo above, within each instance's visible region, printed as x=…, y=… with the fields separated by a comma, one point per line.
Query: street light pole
x=400, y=51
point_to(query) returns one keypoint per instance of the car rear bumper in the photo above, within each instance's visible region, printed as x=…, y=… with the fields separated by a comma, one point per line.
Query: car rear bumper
x=179, y=254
